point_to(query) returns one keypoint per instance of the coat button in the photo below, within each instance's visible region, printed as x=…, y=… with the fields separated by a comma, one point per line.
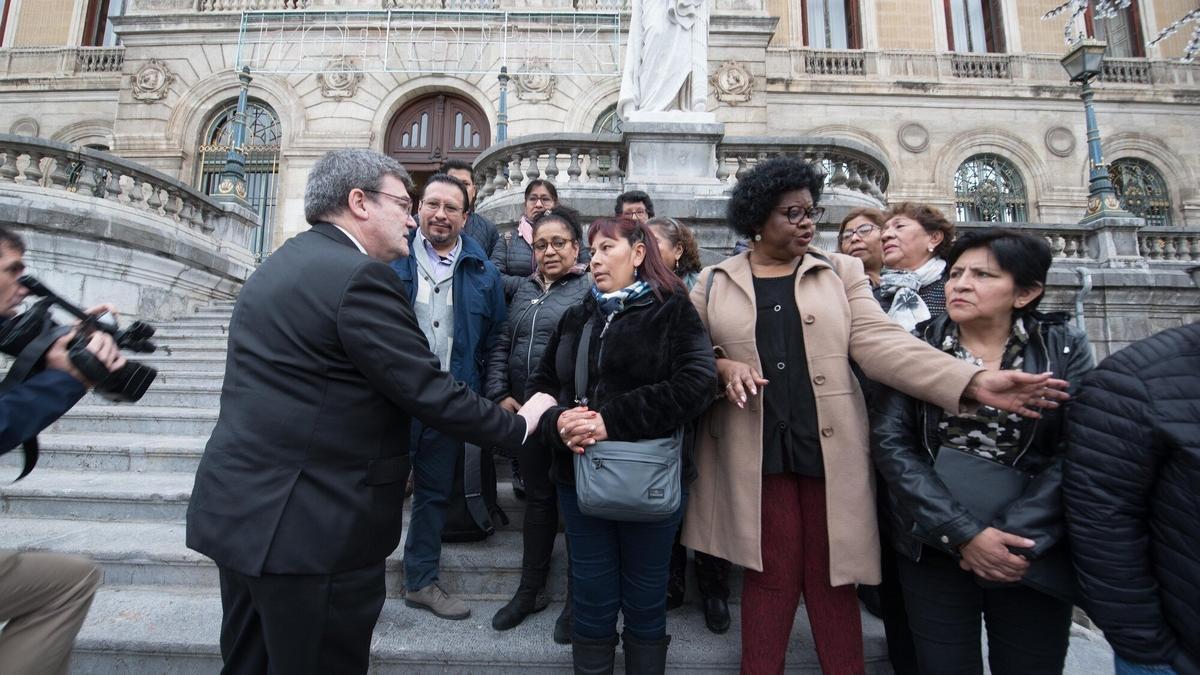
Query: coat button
x=945, y=539
x=809, y=318
x=435, y=324
x=778, y=308
x=781, y=365
x=782, y=425
x=437, y=290
x=827, y=432
x=819, y=380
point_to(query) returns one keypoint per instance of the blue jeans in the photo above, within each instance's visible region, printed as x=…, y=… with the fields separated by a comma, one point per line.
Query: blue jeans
x=1123, y=667
x=433, y=456
x=618, y=566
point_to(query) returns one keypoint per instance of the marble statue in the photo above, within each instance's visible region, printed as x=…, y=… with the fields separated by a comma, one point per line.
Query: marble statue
x=666, y=62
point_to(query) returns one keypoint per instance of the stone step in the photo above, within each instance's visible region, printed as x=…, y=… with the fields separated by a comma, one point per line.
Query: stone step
x=154, y=554
x=136, y=418
x=171, y=331
x=194, y=346
x=210, y=313
x=134, y=631
x=169, y=392
x=128, y=496
x=210, y=364
x=88, y=451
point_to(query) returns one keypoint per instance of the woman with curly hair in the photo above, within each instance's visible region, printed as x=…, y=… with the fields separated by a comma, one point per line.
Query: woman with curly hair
x=915, y=240
x=784, y=468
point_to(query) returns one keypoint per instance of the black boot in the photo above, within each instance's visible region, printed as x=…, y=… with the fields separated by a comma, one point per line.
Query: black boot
x=593, y=657
x=518, y=483
x=645, y=657
x=712, y=575
x=562, y=625
x=528, y=600
x=677, y=579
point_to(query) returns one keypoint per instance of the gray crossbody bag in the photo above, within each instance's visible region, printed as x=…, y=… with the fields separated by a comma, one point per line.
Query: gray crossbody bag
x=625, y=480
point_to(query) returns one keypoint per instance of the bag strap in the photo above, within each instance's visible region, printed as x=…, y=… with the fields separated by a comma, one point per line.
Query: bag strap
x=581, y=362
x=473, y=487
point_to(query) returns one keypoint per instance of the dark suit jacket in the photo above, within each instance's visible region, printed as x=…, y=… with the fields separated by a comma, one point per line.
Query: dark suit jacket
x=305, y=470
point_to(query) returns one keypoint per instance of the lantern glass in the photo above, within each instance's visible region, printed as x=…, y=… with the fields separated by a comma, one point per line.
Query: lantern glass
x=1085, y=60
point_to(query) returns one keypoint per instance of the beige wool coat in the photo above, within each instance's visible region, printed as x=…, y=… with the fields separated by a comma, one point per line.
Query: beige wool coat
x=841, y=321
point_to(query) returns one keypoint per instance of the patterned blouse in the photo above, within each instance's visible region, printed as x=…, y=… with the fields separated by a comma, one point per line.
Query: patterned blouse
x=989, y=433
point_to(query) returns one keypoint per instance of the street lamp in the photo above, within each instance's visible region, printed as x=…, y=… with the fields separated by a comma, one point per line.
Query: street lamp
x=231, y=186
x=502, y=118
x=1083, y=63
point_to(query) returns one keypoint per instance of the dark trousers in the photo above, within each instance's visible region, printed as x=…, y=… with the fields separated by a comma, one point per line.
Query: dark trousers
x=795, y=558
x=293, y=623
x=434, y=456
x=617, y=566
x=1027, y=631
x=541, y=514
x=712, y=573
x=901, y=652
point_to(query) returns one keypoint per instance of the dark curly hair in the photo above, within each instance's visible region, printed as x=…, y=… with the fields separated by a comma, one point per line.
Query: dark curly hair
x=760, y=190
x=679, y=235
x=565, y=215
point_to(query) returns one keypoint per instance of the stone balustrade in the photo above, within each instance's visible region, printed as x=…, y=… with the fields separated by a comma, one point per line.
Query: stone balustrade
x=573, y=159
x=60, y=61
x=248, y=5
x=910, y=66
x=1169, y=245
x=1068, y=241
x=98, y=212
x=846, y=164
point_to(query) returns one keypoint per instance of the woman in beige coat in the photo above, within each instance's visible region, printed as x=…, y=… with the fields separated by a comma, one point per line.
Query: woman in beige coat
x=793, y=421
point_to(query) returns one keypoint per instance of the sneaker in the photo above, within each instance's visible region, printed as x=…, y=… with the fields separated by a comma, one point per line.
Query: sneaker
x=438, y=601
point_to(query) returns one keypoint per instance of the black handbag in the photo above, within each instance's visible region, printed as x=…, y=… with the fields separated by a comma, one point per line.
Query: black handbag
x=986, y=488
x=625, y=480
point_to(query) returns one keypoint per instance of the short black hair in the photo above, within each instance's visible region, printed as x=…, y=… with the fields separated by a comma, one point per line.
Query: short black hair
x=11, y=240
x=450, y=180
x=1026, y=257
x=634, y=197
x=456, y=165
x=565, y=215
x=759, y=191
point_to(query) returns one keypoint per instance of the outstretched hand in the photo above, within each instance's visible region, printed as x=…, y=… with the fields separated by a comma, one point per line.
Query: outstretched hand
x=534, y=408
x=1012, y=390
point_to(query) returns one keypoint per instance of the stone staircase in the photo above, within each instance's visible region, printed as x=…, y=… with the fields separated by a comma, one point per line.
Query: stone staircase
x=113, y=483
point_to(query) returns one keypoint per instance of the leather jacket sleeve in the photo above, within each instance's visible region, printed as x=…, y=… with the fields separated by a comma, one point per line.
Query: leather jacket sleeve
x=900, y=456
x=1038, y=512
x=500, y=255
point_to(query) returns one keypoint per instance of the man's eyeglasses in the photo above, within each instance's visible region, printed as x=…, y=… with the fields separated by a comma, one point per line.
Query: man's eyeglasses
x=635, y=212
x=558, y=243
x=797, y=214
x=404, y=202
x=539, y=199
x=433, y=206
x=862, y=231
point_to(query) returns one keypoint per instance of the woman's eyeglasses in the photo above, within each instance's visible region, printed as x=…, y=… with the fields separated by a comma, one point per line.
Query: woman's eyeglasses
x=862, y=231
x=797, y=214
x=558, y=243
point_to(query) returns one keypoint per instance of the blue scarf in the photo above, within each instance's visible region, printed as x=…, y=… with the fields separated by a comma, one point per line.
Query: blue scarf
x=612, y=303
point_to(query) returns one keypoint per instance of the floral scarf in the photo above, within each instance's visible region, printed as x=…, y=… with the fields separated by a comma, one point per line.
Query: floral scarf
x=908, y=309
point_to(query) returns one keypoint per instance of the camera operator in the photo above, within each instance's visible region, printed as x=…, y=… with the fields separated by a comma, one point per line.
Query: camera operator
x=43, y=597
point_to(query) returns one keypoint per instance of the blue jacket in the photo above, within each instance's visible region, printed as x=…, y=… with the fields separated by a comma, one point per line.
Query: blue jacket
x=34, y=404
x=479, y=307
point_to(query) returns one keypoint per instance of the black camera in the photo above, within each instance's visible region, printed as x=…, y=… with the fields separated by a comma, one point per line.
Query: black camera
x=27, y=338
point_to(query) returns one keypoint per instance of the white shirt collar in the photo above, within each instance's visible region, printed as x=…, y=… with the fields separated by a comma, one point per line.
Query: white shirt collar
x=352, y=239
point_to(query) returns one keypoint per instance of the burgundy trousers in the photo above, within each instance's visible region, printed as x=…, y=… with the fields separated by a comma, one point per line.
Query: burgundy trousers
x=795, y=556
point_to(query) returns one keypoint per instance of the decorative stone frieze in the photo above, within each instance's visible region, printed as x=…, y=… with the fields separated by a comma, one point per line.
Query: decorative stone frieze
x=340, y=78
x=535, y=81
x=152, y=81
x=913, y=137
x=732, y=83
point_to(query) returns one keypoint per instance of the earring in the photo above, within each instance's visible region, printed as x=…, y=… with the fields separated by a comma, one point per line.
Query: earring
x=758, y=237
x=930, y=249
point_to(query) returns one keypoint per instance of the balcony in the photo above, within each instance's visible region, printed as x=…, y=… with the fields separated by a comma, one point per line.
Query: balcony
x=20, y=62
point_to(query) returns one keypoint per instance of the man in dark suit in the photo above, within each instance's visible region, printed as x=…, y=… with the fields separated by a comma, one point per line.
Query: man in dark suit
x=298, y=495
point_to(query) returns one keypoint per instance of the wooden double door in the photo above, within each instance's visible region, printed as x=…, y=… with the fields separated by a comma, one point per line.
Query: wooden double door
x=436, y=128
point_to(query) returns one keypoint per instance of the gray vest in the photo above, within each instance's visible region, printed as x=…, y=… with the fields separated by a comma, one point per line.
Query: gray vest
x=434, y=303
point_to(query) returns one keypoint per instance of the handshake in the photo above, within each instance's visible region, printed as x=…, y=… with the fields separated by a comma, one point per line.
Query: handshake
x=533, y=409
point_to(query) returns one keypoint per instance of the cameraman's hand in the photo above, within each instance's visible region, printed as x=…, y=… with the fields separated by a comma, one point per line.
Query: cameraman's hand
x=101, y=345
x=103, y=309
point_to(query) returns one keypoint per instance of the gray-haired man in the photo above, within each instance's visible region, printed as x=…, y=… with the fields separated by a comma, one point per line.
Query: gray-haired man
x=298, y=496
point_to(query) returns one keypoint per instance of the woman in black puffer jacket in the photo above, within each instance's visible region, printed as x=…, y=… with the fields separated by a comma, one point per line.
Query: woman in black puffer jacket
x=538, y=304
x=956, y=562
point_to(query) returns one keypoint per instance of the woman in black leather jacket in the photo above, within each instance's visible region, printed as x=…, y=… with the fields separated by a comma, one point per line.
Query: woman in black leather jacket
x=558, y=283
x=960, y=556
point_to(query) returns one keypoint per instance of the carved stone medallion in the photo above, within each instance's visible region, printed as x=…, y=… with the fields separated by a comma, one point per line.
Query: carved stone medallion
x=535, y=81
x=152, y=81
x=732, y=83
x=340, y=79
x=1060, y=141
x=913, y=137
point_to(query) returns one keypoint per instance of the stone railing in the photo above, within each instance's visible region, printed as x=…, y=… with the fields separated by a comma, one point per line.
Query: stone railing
x=981, y=66
x=1169, y=244
x=846, y=164
x=920, y=66
x=573, y=159
x=248, y=5
x=834, y=62
x=1068, y=241
x=1125, y=71
x=60, y=61
x=441, y=4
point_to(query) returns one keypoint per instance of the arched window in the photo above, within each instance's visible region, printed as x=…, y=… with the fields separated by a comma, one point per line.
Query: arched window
x=262, y=162
x=1141, y=189
x=988, y=188
x=609, y=121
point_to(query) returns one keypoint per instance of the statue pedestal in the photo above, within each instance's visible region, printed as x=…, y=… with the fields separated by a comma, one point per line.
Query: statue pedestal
x=680, y=149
